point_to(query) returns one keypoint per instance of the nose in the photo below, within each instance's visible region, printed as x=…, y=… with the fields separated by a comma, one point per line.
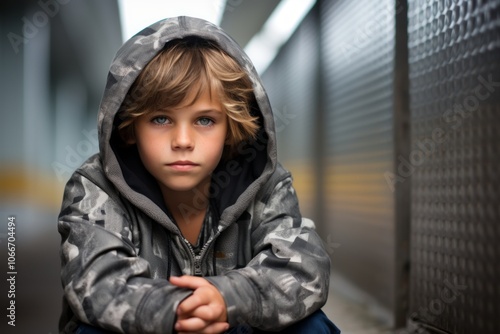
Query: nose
x=182, y=138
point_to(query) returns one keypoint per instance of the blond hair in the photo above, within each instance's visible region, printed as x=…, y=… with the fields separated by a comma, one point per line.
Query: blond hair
x=186, y=64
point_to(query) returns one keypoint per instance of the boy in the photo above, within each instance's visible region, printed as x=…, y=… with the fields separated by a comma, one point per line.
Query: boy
x=185, y=222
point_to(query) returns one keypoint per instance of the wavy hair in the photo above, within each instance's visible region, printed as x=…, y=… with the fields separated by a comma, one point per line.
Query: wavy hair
x=186, y=64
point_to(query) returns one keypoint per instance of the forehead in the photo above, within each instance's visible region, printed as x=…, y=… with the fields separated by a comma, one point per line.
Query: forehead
x=201, y=93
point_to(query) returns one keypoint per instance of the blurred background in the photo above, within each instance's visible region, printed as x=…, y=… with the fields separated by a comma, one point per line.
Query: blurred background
x=386, y=112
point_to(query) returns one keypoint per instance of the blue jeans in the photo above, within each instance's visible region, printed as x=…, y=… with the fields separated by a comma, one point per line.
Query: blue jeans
x=316, y=323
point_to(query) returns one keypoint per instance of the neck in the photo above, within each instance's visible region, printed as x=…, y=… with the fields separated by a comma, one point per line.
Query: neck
x=186, y=206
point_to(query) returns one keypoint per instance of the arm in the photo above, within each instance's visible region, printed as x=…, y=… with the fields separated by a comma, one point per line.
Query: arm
x=288, y=277
x=105, y=283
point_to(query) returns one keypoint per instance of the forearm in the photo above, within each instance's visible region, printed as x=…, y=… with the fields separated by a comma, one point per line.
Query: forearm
x=287, y=279
x=107, y=286
x=243, y=305
x=272, y=298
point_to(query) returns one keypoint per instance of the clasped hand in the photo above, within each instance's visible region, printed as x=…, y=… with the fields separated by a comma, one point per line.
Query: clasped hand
x=202, y=312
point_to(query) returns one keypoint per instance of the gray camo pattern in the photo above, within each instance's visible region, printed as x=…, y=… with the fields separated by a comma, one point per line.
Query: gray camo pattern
x=270, y=264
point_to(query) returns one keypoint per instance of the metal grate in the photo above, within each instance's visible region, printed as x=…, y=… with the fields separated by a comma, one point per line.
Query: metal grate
x=454, y=50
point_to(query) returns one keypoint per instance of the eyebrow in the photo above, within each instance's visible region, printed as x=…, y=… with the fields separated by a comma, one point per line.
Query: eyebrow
x=208, y=111
x=170, y=110
x=196, y=112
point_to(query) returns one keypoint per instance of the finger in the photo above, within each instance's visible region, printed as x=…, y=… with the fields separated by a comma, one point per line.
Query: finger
x=183, y=316
x=208, y=312
x=190, y=282
x=191, y=303
x=204, y=312
x=191, y=325
x=216, y=327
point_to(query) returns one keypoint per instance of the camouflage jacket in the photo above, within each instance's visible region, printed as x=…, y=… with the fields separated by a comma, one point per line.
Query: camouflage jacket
x=119, y=245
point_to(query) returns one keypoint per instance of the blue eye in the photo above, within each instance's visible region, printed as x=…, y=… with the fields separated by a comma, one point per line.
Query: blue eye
x=205, y=121
x=160, y=120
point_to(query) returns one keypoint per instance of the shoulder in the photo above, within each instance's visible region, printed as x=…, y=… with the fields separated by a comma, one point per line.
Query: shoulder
x=89, y=180
x=92, y=170
x=90, y=195
x=280, y=176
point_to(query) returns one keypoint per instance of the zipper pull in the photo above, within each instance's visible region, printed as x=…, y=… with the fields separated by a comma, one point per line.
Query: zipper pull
x=197, y=265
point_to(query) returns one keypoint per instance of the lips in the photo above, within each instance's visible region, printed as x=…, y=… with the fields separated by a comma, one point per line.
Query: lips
x=182, y=165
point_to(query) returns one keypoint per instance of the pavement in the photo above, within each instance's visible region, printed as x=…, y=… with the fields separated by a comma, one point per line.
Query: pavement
x=353, y=312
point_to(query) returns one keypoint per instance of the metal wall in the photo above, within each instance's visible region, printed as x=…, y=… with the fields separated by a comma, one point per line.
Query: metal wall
x=335, y=78
x=358, y=64
x=454, y=62
x=291, y=82
x=406, y=150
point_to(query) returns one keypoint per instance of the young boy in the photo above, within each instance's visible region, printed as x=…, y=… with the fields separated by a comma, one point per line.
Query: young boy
x=185, y=221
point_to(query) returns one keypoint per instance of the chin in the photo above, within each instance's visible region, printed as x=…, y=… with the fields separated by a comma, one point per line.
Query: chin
x=181, y=183
x=181, y=187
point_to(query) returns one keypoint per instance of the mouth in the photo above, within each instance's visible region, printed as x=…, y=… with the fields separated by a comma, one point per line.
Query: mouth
x=182, y=165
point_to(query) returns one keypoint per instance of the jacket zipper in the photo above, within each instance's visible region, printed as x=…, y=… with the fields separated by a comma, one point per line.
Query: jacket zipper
x=197, y=259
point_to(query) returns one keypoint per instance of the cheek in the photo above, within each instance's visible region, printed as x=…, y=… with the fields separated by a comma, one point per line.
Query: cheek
x=221, y=139
x=148, y=147
x=154, y=147
x=214, y=145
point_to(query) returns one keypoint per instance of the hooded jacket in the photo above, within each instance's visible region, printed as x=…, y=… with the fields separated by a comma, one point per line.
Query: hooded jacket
x=119, y=245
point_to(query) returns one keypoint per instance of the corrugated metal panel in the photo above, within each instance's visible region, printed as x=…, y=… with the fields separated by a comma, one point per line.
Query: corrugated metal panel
x=358, y=58
x=454, y=64
x=291, y=84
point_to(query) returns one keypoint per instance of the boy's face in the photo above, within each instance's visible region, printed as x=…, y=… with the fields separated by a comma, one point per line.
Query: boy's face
x=181, y=147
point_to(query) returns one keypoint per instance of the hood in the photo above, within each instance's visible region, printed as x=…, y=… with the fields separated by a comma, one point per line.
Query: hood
x=238, y=179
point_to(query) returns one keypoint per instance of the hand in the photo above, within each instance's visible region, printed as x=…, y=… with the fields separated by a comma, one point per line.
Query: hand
x=202, y=312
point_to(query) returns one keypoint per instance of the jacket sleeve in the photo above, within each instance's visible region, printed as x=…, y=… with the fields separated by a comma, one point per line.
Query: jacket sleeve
x=105, y=283
x=288, y=276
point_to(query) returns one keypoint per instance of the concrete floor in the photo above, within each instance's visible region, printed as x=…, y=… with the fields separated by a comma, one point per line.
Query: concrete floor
x=353, y=312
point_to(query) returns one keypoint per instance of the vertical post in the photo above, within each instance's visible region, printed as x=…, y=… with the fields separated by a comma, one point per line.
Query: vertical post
x=319, y=136
x=401, y=148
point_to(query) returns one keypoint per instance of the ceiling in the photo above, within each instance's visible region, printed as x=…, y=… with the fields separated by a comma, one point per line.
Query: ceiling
x=242, y=19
